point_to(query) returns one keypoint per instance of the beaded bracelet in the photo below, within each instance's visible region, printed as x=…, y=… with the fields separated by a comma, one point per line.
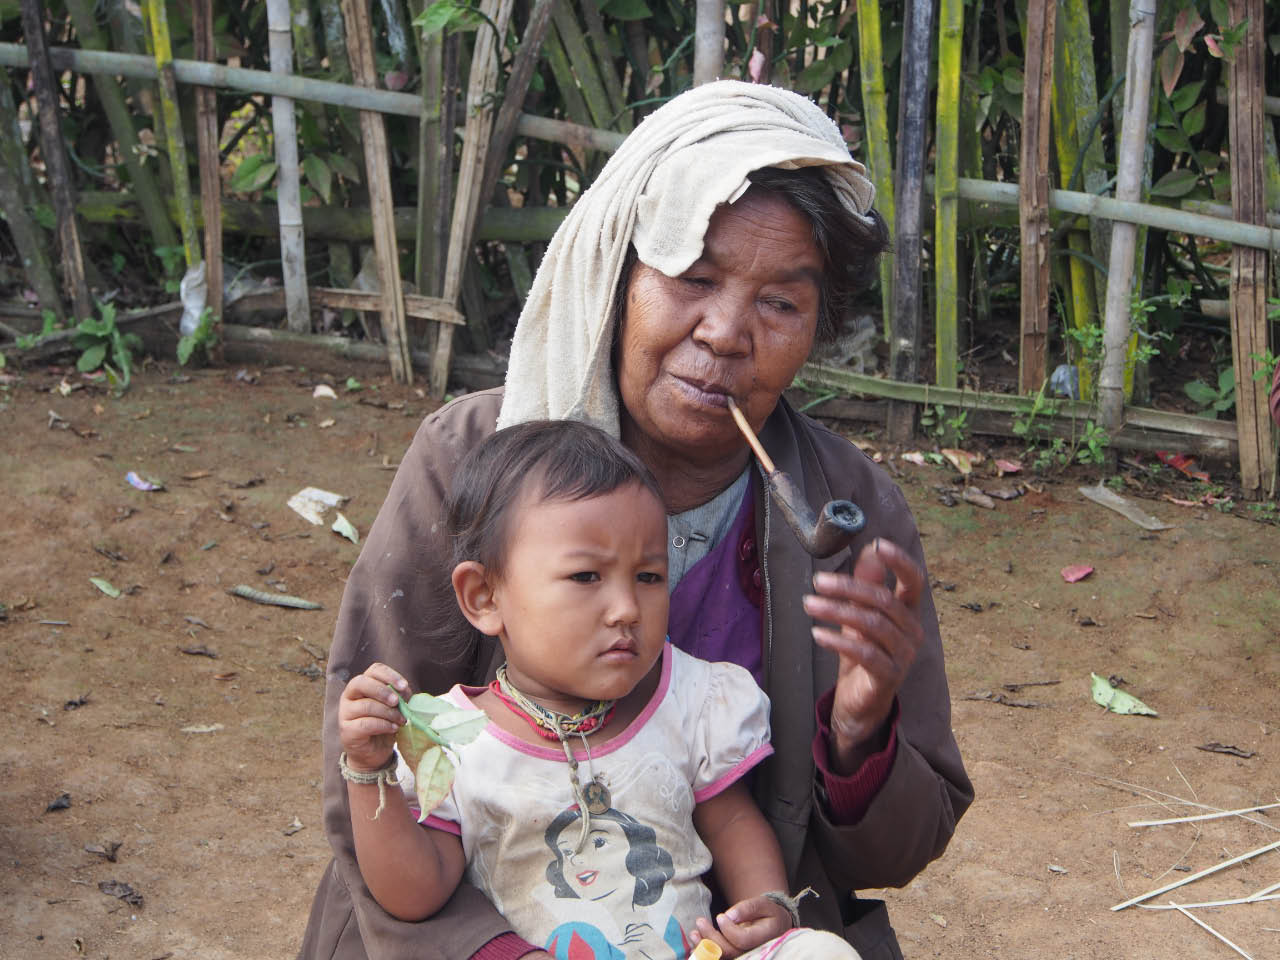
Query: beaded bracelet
x=384, y=775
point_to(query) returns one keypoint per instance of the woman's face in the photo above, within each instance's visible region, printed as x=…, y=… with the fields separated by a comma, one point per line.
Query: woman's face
x=600, y=870
x=739, y=322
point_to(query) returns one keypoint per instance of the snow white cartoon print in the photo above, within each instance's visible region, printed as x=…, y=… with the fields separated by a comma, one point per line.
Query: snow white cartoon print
x=620, y=880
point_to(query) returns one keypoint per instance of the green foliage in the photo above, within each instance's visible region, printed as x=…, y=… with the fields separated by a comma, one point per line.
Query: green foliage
x=48, y=324
x=174, y=260
x=1086, y=444
x=947, y=428
x=1213, y=400
x=203, y=337
x=103, y=344
x=451, y=16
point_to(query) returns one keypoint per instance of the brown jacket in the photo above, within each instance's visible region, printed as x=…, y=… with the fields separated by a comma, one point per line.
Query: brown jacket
x=390, y=594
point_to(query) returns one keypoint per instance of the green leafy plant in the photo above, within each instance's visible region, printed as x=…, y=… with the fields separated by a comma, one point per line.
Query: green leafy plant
x=951, y=429
x=449, y=16
x=1092, y=445
x=174, y=259
x=203, y=337
x=1213, y=401
x=48, y=324
x=103, y=344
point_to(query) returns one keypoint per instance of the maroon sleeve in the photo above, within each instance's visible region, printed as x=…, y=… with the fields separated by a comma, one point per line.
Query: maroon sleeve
x=1275, y=397
x=849, y=797
x=506, y=946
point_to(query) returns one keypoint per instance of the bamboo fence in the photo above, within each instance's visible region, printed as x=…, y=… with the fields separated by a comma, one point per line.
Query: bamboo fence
x=574, y=45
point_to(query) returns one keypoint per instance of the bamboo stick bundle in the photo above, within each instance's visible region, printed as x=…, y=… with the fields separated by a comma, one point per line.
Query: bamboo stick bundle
x=55, y=158
x=708, y=43
x=946, y=173
x=293, y=253
x=876, y=119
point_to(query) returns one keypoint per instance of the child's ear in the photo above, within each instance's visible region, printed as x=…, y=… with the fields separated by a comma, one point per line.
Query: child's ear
x=476, y=597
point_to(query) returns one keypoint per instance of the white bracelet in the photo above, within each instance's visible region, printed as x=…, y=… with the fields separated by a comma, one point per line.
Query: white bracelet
x=790, y=904
x=385, y=775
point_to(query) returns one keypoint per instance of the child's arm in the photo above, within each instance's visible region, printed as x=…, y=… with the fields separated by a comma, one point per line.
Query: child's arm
x=410, y=871
x=747, y=862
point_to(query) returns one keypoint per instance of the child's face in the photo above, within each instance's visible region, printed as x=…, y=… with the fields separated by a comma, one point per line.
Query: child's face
x=583, y=595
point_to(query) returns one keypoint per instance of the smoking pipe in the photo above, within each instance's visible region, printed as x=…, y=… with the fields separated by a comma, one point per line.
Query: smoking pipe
x=828, y=533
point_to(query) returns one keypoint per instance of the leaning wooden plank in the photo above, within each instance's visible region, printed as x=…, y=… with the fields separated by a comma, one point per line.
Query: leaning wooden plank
x=485, y=69
x=1249, y=285
x=879, y=158
x=604, y=62
x=55, y=158
x=434, y=156
x=946, y=167
x=1033, y=192
x=15, y=201
x=341, y=298
x=378, y=174
x=158, y=25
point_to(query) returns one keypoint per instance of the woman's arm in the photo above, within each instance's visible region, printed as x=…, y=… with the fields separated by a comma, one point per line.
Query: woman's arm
x=747, y=862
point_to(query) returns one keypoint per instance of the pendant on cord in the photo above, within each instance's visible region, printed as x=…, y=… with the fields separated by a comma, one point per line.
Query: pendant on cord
x=597, y=797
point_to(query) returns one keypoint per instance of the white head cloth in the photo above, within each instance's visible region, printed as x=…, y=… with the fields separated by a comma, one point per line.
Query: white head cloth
x=657, y=192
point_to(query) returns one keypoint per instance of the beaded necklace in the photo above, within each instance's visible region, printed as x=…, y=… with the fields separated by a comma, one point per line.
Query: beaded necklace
x=592, y=797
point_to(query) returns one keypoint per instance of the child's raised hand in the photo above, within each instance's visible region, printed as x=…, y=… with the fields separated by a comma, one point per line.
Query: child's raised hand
x=746, y=925
x=368, y=717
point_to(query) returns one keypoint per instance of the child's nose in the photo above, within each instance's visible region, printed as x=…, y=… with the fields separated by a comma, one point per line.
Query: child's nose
x=624, y=606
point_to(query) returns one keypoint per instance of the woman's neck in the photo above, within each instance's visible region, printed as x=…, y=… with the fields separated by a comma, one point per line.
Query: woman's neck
x=686, y=484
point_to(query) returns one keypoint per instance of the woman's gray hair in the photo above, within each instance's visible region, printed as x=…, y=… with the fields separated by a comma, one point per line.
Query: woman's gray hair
x=849, y=244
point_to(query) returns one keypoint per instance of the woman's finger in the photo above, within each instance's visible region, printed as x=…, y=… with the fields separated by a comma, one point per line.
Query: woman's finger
x=870, y=610
x=910, y=586
x=870, y=656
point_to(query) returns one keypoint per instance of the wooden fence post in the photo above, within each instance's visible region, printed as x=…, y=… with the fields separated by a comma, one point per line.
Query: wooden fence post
x=879, y=158
x=946, y=174
x=1248, y=264
x=284, y=130
x=207, y=144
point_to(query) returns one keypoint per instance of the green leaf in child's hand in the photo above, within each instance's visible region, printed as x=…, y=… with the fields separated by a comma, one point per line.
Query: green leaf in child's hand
x=459, y=727
x=433, y=778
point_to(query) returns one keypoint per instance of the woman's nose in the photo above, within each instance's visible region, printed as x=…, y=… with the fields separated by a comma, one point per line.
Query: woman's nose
x=723, y=325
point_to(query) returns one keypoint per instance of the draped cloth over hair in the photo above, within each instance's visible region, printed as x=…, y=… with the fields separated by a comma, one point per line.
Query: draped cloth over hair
x=657, y=192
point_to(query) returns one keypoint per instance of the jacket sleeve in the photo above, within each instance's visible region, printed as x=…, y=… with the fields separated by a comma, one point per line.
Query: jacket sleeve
x=910, y=820
x=391, y=593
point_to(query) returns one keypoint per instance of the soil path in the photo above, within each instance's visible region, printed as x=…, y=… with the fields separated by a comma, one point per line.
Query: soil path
x=182, y=723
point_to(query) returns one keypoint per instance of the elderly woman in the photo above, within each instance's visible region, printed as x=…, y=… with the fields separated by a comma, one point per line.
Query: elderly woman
x=723, y=239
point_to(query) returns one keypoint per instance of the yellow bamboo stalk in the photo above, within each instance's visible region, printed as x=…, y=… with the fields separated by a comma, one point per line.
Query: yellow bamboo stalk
x=158, y=27
x=946, y=176
x=878, y=155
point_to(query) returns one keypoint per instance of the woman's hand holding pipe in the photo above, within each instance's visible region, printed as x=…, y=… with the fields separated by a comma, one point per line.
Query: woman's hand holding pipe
x=876, y=632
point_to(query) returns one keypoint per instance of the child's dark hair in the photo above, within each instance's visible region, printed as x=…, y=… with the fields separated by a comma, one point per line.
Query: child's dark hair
x=562, y=460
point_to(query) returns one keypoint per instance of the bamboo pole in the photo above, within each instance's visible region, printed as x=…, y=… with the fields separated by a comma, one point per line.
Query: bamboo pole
x=300, y=88
x=158, y=23
x=708, y=41
x=876, y=116
x=1033, y=184
x=207, y=143
x=433, y=153
x=351, y=224
x=293, y=249
x=913, y=90
x=583, y=64
x=113, y=104
x=360, y=52
x=485, y=69
x=58, y=170
x=1249, y=285
x=558, y=60
x=1130, y=159
x=304, y=36
x=15, y=200
x=1075, y=104
x=604, y=63
x=946, y=172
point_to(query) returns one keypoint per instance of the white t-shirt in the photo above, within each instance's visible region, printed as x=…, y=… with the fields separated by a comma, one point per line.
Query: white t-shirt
x=634, y=891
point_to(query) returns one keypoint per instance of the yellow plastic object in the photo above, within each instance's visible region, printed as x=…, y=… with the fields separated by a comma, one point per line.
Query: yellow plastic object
x=706, y=950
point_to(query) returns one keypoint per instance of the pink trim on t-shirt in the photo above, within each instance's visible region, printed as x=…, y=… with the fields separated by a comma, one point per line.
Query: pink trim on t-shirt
x=734, y=775
x=776, y=945
x=617, y=743
x=438, y=823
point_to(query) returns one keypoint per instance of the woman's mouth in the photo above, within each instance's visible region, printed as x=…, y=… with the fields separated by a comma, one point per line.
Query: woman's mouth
x=704, y=392
x=588, y=877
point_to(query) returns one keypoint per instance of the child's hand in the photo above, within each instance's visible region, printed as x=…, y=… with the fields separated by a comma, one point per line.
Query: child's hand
x=368, y=717
x=746, y=925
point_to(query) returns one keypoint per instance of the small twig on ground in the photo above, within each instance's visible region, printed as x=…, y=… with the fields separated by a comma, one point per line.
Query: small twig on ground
x=1187, y=782
x=1203, y=816
x=1196, y=876
x=1252, y=898
x=1181, y=859
x=1193, y=917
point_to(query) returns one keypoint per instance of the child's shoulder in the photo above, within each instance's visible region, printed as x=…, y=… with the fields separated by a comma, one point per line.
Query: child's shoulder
x=690, y=673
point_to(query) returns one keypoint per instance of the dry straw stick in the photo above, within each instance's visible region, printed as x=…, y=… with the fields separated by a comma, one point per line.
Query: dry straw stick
x=1193, y=917
x=1196, y=876
x=1203, y=816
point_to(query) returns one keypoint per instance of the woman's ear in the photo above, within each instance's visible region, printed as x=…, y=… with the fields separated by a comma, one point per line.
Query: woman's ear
x=476, y=598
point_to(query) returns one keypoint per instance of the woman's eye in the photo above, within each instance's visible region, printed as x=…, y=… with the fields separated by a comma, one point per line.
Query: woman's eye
x=584, y=576
x=696, y=281
x=649, y=577
x=598, y=842
x=782, y=306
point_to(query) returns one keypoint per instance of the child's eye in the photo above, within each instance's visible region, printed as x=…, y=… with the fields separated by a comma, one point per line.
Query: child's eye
x=649, y=577
x=584, y=576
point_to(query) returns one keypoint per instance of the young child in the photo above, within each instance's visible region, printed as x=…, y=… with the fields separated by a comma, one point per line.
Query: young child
x=609, y=776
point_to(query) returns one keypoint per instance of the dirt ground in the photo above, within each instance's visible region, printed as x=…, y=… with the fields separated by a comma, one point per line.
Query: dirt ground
x=182, y=723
